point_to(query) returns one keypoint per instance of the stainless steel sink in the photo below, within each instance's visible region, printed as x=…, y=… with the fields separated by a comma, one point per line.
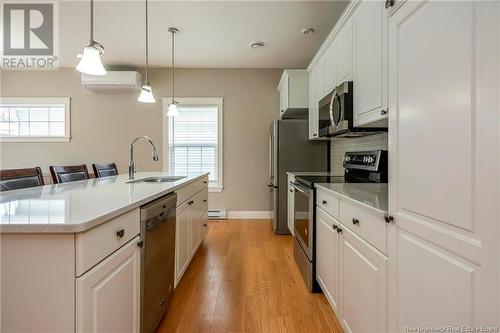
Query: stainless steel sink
x=159, y=179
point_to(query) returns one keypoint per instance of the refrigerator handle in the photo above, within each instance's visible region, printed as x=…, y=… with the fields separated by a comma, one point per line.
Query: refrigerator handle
x=270, y=163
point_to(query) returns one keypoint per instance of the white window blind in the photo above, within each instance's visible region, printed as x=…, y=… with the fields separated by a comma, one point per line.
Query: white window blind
x=24, y=119
x=194, y=141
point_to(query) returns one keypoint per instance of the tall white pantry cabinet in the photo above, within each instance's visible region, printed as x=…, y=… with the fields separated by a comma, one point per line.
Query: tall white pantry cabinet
x=444, y=164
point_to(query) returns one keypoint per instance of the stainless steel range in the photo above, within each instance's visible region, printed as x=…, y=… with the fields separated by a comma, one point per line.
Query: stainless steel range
x=360, y=167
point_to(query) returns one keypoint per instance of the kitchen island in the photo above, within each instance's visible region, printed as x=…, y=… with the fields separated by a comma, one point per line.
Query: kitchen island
x=71, y=253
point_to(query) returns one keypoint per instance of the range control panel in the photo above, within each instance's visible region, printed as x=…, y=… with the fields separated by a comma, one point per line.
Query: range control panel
x=365, y=160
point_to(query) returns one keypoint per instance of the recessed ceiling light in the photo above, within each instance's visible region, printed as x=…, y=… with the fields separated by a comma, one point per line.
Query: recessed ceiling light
x=307, y=31
x=256, y=45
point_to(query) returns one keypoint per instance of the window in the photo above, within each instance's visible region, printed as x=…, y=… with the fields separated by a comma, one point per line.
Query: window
x=195, y=139
x=34, y=119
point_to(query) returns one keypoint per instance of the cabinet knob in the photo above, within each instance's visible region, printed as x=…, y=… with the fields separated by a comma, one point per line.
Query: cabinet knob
x=315, y=134
x=324, y=202
x=204, y=182
x=204, y=200
x=205, y=225
x=334, y=227
x=291, y=190
x=383, y=112
x=355, y=221
x=120, y=233
x=389, y=3
x=190, y=202
x=140, y=243
x=339, y=230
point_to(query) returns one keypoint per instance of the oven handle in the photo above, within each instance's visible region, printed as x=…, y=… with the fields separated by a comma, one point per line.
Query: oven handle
x=302, y=189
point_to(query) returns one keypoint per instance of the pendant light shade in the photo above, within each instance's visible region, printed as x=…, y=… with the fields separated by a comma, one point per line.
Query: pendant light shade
x=91, y=60
x=172, y=107
x=146, y=95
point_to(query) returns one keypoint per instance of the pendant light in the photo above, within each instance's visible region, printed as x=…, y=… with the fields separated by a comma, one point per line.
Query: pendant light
x=146, y=95
x=172, y=108
x=91, y=59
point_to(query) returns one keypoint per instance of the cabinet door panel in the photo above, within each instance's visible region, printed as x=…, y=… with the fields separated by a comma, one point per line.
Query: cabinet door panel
x=108, y=296
x=181, y=241
x=313, y=104
x=363, y=281
x=327, y=257
x=330, y=68
x=369, y=29
x=290, y=208
x=443, y=236
x=344, y=53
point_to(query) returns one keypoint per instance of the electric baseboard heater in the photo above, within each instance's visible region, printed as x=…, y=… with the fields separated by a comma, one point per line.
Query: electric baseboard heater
x=217, y=214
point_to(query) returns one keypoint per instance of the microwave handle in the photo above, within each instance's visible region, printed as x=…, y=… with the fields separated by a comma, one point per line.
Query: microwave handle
x=334, y=95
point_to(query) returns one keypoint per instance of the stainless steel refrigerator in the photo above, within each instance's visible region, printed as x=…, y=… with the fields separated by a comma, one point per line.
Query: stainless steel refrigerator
x=291, y=150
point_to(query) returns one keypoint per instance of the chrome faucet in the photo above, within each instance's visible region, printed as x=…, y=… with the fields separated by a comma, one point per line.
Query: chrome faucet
x=131, y=165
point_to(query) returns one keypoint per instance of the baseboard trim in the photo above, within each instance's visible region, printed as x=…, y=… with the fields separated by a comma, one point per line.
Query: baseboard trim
x=255, y=214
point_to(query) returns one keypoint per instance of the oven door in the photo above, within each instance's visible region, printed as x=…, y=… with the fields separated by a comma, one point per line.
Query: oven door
x=304, y=218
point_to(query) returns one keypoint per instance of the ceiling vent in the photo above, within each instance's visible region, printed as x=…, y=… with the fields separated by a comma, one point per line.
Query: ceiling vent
x=113, y=80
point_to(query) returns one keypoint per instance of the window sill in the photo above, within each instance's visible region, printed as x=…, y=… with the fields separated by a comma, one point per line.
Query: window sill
x=215, y=188
x=35, y=139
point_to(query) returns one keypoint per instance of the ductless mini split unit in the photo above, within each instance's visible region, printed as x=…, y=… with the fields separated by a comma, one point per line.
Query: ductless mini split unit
x=113, y=80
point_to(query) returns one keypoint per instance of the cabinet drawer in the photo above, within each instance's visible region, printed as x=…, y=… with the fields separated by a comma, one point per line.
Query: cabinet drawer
x=191, y=189
x=98, y=243
x=328, y=203
x=362, y=222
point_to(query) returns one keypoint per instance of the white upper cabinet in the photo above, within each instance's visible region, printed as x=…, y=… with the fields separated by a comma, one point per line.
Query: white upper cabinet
x=344, y=53
x=330, y=68
x=369, y=30
x=444, y=145
x=316, y=87
x=294, y=90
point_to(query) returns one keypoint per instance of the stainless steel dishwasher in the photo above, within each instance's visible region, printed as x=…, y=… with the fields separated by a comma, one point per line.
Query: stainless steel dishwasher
x=158, y=260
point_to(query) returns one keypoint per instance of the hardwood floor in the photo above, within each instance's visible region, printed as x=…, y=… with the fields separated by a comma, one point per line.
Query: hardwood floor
x=244, y=279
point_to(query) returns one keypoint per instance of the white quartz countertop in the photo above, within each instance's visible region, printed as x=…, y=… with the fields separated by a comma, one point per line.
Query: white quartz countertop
x=369, y=195
x=310, y=173
x=79, y=206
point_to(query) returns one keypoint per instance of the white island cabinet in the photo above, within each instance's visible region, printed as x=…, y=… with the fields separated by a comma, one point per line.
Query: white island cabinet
x=79, y=268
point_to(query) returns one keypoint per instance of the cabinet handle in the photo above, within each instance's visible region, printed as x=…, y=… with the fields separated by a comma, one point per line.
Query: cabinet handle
x=389, y=3
x=204, y=200
x=334, y=227
x=324, y=202
x=204, y=182
x=383, y=112
x=190, y=202
x=389, y=218
x=120, y=233
x=140, y=243
x=291, y=191
x=205, y=225
x=355, y=221
x=315, y=134
x=339, y=230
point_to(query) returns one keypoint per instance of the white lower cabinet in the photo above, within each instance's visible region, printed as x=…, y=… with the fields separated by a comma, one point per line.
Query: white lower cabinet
x=191, y=229
x=363, y=271
x=327, y=257
x=108, y=296
x=352, y=274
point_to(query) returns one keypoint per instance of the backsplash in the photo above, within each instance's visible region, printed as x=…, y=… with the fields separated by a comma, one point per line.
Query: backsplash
x=340, y=145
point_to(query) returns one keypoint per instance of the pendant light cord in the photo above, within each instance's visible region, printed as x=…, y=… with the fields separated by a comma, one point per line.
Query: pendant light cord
x=91, y=21
x=173, y=67
x=147, y=45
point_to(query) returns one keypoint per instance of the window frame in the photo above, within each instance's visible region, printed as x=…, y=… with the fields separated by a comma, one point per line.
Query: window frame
x=66, y=101
x=202, y=101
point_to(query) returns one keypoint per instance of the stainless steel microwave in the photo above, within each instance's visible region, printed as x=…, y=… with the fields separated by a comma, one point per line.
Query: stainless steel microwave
x=336, y=116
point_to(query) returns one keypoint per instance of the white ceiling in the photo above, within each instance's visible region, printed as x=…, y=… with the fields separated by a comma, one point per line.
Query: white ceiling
x=212, y=34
